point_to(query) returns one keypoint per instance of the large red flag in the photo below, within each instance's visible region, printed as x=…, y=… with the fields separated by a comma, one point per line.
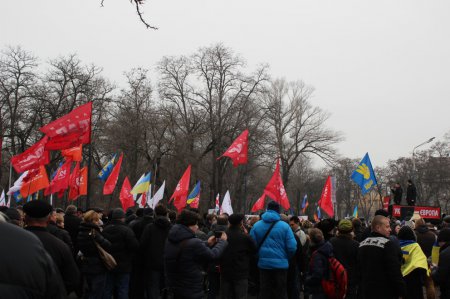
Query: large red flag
x=74, y=183
x=61, y=179
x=83, y=180
x=325, y=201
x=71, y=129
x=126, y=198
x=34, y=181
x=238, y=150
x=259, y=204
x=275, y=188
x=73, y=153
x=181, y=191
x=111, y=182
x=32, y=157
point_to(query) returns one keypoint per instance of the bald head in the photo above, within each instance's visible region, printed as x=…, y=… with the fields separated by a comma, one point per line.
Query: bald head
x=380, y=224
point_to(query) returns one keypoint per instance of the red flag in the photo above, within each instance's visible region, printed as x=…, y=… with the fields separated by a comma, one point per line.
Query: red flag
x=61, y=179
x=83, y=180
x=74, y=183
x=34, y=181
x=238, y=150
x=143, y=200
x=259, y=204
x=195, y=202
x=73, y=153
x=325, y=201
x=31, y=158
x=111, y=182
x=126, y=198
x=181, y=191
x=71, y=129
x=275, y=188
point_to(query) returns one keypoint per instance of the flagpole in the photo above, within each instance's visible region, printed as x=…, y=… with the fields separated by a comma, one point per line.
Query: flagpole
x=154, y=183
x=88, y=202
x=9, y=182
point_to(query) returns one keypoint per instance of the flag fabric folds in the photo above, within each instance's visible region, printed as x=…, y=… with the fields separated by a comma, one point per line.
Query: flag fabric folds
x=364, y=175
x=74, y=183
x=305, y=203
x=83, y=180
x=34, y=181
x=226, y=204
x=355, y=212
x=325, y=201
x=238, y=150
x=259, y=204
x=275, y=188
x=71, y=129
x=217, y=206
x=32, y=157
x=73, y=153
x=181, y=191
x=17, y=184
x=193, y=198
x=104, y=173
x=158, y=196
x=126, y=198
x=3, y=199
x=142, y=184
x=61, y=179
x=111, y=182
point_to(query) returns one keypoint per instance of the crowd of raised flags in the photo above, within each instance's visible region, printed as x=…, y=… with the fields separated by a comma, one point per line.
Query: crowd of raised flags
x=69, y=133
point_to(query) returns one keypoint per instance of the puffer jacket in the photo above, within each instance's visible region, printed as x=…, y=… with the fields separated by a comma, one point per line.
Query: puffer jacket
x=280, y=244
x=184, y=256
x=91, y=262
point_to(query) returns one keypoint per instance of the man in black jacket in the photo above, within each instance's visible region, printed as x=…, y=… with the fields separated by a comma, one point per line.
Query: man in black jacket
x=72, y=225
x=411, y=194
x=397, y=191
x=441, y=272
x=379, y=263
x=60, y=233
x=235, y=261
x=36, y=217
x=123, y=246
x=27, y=269
x=184, y=255
x=151, y=250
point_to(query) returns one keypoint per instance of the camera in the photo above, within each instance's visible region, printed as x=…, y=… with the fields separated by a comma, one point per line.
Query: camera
x=218, y=234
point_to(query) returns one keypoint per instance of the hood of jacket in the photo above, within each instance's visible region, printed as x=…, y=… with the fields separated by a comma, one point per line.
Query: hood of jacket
x=162, y=222
x=422, y=229
x=326, y=249
x=270, y=216
x=179, y=232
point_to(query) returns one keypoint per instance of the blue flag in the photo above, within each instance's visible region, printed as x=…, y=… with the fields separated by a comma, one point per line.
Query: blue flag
x=364, y=175
x=17, y=196
x=104, y=173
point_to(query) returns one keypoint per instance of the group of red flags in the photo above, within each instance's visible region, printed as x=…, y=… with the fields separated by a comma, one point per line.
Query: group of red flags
x=67, y=134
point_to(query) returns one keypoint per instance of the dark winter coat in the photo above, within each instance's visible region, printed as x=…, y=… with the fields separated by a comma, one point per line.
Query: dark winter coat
x=441, y=274
x=318, y=267
x=345, y=250
x=61, y=255
x=123, y=245
x=91, y=262
x=153, y=240
x=425, y=239
x=184, y=255
x=379, y=263
x=397, y=192
x=411, y=193
x=27, y=270
x=138, y=225
x=61, y=234
x=72, y=225
x=235, y=261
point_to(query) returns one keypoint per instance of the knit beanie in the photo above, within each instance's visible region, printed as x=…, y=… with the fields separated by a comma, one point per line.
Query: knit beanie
x=407, y=234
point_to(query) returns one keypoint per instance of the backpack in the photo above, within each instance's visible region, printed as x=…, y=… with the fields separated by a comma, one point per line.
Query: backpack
x=335, y=284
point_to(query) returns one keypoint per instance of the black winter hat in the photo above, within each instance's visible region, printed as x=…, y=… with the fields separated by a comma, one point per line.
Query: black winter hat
x=37, y=209
x=13, y=214
x=117, y=213
x=274, y=206
x=407, y=234
x=444, y=235
x=235, y=219
x=382, y=213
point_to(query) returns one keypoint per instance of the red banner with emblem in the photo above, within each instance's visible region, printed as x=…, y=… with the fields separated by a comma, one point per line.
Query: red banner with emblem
x=424, y=212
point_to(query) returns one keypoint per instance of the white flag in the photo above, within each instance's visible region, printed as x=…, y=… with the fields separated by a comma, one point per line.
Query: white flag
x=3, y=199
x=158, y=196
x=226, y=204
x=17, y=184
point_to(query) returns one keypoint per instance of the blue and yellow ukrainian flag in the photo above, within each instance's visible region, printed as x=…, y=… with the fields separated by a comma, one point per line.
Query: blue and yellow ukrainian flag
x=364, y=175
x=355, y=212
x=106, y=171
x=142, y=185
x=195, y=194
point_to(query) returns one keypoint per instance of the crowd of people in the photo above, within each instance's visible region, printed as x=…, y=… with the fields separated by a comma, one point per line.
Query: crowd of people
x=54, y=253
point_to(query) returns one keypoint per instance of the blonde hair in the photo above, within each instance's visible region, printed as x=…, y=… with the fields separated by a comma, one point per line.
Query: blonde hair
x=91, y=216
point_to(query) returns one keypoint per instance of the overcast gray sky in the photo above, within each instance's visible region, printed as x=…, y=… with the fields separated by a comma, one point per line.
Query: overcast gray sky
x=381, y=68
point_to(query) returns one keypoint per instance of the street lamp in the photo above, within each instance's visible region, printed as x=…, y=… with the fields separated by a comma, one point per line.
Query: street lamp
x=414, y=154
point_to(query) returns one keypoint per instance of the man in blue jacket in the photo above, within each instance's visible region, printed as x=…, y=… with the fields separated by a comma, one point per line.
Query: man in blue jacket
x=274, y=252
